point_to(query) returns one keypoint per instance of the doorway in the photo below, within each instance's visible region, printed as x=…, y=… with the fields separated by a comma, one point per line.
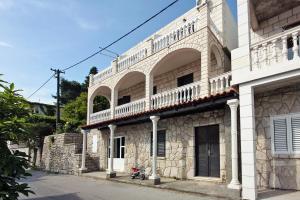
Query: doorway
x=207, y=151
x=119, y=153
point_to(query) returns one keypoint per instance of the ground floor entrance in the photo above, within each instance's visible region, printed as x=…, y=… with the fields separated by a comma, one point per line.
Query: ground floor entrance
x=207, y=151
x=119, y=152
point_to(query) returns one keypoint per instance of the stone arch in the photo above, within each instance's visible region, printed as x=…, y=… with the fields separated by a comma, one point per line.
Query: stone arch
x=173, y=51
x=215, y=60
x=101, y=91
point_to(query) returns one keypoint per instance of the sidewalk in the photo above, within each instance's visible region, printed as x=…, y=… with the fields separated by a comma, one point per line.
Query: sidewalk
x=188, y=186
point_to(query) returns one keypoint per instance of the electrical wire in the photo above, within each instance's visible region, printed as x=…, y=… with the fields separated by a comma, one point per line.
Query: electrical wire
x=41, y=86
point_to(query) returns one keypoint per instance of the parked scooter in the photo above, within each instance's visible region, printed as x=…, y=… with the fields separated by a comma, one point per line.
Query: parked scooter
x=138, y=173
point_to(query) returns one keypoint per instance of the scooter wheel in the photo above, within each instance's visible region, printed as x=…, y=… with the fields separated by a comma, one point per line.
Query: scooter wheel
x=143, y=176
x=132, y=177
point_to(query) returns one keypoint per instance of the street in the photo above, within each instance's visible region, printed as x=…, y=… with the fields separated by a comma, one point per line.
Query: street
x=67, y=187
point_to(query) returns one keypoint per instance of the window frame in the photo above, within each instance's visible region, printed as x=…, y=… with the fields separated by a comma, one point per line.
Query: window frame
x=288, y=118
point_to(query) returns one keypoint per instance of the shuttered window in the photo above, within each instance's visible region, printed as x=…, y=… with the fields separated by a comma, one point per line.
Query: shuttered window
x=280, y=135
x=296, y=134
x=286, y=134
x=161, y=143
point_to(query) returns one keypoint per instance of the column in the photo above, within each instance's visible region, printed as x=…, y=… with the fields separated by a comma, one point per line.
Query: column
x=234, y=184
x=90, y=106
x=84, y=134
x=113, y=102
x=154, y=176
x=248, y=142
x=296, y=47
x=148, y=90
x=111, y=173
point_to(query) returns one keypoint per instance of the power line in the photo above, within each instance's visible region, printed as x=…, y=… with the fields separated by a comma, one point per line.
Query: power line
x=120, y=38
x=41, y=86
x=106, y=48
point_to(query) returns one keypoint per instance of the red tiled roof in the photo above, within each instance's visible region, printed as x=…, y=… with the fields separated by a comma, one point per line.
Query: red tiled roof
x=232, y=91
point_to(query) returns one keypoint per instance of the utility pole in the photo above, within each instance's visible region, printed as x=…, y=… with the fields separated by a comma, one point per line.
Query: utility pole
x=57, y=76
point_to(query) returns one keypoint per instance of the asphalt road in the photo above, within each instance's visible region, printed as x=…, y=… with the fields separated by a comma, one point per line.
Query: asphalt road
x=67, y=187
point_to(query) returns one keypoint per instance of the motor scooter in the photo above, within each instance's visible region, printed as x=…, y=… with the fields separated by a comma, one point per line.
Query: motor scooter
x=138, y=173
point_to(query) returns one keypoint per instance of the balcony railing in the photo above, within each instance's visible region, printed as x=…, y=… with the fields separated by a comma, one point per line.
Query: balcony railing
x=130, y=108
x=148, y=48
x=100, y=116
x=220, y=83
x=180, y=33
x=176, y=96
x=279, y=48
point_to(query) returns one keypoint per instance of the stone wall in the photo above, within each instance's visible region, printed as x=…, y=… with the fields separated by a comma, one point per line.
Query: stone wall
x=62, y=154
x=281, y=171
x=274, y=25
x=179, y=161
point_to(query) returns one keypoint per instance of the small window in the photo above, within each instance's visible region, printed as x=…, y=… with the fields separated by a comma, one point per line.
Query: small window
x=124, y=100
x=184, y=80
x=155, y=90
x=286, y=134
x=95, y=144
x=161, y=143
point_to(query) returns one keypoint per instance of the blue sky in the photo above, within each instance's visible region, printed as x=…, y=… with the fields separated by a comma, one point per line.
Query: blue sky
x=36, y=35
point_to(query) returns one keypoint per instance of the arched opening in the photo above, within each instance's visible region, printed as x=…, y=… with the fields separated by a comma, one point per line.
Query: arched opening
x=174, y=77
x=100, y=99
x=130, y=94
x=216, y=66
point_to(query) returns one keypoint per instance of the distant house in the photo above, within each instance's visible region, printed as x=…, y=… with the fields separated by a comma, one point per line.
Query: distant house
x=42, y=108
x=37, y=108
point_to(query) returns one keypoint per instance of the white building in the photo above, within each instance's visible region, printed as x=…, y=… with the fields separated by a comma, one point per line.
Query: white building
x=266, y=66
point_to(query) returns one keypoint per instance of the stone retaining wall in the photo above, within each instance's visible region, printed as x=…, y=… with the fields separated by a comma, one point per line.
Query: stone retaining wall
x=61, y=153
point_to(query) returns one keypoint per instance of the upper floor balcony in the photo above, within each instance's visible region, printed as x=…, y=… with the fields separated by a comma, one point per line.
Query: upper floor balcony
x=274, y=37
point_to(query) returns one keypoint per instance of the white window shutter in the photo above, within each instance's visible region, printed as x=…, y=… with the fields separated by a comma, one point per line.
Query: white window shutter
x=95, y=144
x=295, y=123
x=280, y=137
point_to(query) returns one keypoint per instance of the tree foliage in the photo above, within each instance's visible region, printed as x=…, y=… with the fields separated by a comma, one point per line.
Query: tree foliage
x=13, y=127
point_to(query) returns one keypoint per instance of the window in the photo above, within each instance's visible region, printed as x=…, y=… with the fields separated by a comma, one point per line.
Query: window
x=124, y=100
x=154, y=90
x=286, y=134
x=184, y=80
x=95, y=144
x=161, y=143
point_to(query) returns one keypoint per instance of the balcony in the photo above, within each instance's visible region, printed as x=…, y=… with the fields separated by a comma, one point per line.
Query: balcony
x=279, y=49
x=176, y=96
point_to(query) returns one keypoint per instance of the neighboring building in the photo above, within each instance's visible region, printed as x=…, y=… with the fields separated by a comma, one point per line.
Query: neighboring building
x=266, y=66
x=172, y=92
x=36, y=108
x=42, y=108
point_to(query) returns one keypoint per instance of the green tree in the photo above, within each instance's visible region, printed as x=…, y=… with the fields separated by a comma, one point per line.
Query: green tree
x=74, y=113
x=69, y=90
x=86, y=82
x=13, y=126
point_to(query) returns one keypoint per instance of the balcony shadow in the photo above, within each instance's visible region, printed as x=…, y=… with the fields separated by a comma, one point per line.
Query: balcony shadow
x=72, y=196
x=268, y=194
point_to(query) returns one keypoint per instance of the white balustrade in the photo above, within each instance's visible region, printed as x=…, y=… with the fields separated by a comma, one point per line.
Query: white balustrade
x=180, y=33
x=220, y=83
x=130, y=108
x=94, y=79
x=175, y=96
x=128, y=61
x=279, y=48
x=100, y=116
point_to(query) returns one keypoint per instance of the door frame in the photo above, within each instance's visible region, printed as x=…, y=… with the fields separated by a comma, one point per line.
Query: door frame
x=108, y=152
x=205, y=178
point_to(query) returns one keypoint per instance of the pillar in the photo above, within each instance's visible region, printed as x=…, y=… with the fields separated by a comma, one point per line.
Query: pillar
x=234, y=184
x=111, y=173
x=149, y=90
x=83, y=168
x=154, y=176
x=248, y=142
x=113, y=102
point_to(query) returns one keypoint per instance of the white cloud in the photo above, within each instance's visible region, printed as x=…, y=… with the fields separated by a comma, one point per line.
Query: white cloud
x=85, y=25
x=5, y=44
